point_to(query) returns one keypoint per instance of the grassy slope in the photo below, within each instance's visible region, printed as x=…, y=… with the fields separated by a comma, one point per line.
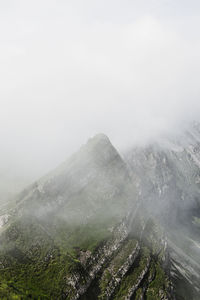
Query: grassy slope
x=36, y=263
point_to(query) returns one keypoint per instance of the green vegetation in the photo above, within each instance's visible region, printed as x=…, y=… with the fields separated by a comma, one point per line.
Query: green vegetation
x=159, y=285
x=85, y=237
x=38, y=258
x=122, y=256
x=37, y=265
x=104, y=282
x=138, y=294
x=116, y=263
x=131, y=279
x=43, y=279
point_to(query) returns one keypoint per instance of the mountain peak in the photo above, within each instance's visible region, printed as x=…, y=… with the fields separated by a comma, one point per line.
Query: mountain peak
x=99, y=138
x=100, y=149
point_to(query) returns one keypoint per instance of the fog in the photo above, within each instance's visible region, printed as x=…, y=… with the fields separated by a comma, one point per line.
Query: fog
x=71, y=69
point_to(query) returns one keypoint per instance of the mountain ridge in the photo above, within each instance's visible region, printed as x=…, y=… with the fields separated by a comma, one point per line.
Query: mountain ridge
x=86, y=230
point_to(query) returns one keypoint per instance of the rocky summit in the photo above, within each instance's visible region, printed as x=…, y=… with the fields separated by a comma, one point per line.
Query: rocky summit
x=105, y=227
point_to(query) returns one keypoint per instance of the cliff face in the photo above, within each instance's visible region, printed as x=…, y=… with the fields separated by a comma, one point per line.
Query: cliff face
x=92, y=228
x=169, y=176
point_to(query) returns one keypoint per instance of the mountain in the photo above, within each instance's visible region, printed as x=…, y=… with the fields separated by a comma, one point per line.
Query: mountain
x=169, y=173
x=105, y=227
x=72, y=209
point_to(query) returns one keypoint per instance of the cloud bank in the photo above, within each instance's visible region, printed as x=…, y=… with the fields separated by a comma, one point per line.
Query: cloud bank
x=71, y=69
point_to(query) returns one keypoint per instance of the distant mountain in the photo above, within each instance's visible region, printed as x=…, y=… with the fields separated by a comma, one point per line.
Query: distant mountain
x=103, y=227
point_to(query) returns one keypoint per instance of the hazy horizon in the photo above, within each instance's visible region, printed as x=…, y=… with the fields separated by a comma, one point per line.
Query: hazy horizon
x=72, y=69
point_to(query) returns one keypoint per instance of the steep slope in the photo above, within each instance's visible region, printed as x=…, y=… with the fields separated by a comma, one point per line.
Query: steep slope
x=78, y=233
x=170, y=187
x=70, y=210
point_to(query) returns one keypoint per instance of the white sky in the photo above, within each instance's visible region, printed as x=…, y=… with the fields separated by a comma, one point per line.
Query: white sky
x=70, y=69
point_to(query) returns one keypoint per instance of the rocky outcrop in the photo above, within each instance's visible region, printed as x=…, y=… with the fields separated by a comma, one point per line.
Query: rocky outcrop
x=134, y=288
x=117, y=276
x=94, y=263
x=4, y=220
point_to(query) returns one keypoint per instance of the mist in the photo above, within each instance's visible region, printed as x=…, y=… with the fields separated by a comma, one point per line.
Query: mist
x=72, y=69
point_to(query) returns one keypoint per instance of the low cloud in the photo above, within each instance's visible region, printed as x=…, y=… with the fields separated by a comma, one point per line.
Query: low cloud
x=69, y=71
